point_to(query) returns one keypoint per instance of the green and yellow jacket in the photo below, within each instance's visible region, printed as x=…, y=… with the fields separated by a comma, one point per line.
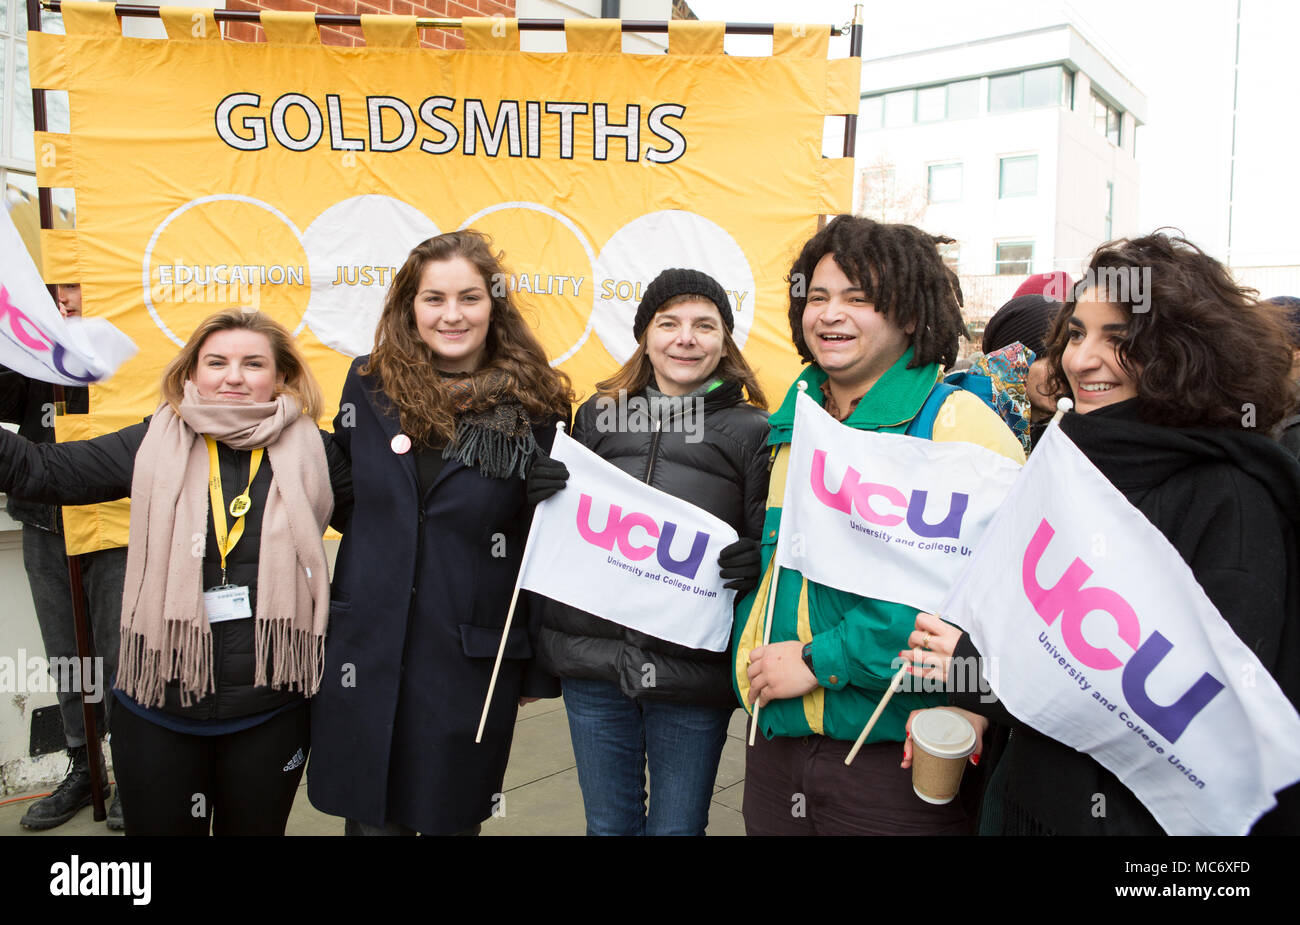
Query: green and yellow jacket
x=855, y=640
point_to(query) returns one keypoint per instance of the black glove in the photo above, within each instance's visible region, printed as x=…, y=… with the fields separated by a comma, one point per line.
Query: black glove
x=545, y=478
x=742, y=564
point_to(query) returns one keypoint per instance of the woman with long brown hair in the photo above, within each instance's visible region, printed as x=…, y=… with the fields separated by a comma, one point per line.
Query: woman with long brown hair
x=221, y=638
x=440, y=423
x=675, y=416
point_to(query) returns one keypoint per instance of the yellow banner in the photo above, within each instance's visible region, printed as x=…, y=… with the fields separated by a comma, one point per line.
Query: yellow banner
x=296, y=177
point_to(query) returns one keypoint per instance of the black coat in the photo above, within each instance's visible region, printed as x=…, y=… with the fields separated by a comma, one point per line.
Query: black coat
x=724, y=473
x=92, y=471
x=421, y=590
x=1229, y=502
x=29, y=403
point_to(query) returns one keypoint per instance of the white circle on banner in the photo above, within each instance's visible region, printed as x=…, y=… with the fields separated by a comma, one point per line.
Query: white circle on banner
x=147, y=268
x=354, y=248
x=652, y=243
x=568, y=223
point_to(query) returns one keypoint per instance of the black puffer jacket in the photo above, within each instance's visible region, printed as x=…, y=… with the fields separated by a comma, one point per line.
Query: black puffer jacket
x=724, y=472
x=91, y=471
x=28, y=403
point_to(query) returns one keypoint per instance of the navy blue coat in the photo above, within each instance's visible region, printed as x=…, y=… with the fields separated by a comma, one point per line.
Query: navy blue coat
x=419, y=599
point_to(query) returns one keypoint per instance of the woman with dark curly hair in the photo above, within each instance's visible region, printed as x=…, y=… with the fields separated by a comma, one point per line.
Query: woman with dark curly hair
x=440, y=422
x=1178, y=376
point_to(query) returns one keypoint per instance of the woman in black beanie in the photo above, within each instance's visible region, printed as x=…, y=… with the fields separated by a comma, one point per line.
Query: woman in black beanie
x=631, y=698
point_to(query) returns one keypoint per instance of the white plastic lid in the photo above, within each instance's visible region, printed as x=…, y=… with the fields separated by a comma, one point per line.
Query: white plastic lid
x=943, y=733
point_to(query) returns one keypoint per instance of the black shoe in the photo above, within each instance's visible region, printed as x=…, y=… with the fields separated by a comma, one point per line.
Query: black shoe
x=115, y=820
x=69, y=797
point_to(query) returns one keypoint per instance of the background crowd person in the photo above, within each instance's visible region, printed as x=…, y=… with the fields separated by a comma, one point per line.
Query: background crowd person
x=440, y=422
x=211, y=727
x=631, y=698
x=1025, y=320
x=1159, y=398
x=879, y=321
x=1289, y=430
x=29, y=403
x=1055, y=286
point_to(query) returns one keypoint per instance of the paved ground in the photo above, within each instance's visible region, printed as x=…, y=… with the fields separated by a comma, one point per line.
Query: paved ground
x=542, y=795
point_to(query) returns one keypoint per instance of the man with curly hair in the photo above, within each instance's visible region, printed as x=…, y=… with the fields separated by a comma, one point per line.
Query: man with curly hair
x=876, y=316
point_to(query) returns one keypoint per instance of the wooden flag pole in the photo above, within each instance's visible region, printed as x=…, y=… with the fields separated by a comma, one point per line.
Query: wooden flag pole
x=880, y=707
x=510, y=616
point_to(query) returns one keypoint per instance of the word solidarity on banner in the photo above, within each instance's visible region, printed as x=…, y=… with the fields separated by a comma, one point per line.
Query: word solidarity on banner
x=886, y=516
x=617, y=548
x=1154, y=684
x=38, y=342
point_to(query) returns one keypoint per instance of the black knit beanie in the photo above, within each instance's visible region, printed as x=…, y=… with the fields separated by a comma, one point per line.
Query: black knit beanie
x=1026, y=318
x=677, y=282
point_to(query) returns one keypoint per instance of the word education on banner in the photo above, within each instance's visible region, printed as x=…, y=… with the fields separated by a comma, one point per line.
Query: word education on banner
x=615, y=547
x=1109, y=645
x=886, y=516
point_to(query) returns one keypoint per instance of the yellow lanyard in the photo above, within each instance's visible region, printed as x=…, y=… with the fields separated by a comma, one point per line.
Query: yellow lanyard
x=239, y=505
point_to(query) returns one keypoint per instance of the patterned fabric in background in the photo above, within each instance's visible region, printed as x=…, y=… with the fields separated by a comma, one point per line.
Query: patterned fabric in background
x=1008, y=369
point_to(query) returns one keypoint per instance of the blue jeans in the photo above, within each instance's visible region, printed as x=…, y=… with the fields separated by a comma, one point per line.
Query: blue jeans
x=614, y=735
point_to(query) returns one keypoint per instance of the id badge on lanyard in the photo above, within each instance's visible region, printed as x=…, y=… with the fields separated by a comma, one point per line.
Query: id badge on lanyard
x=227, y=601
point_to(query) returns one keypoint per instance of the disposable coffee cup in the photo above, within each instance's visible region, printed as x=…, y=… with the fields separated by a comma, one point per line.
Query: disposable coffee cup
x=941, y=743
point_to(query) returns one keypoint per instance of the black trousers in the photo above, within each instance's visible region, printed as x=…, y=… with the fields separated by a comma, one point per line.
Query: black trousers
x=801, y=786
x=243, y=783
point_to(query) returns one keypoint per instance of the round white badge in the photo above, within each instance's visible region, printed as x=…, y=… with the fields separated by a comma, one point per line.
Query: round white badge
x=401, y=444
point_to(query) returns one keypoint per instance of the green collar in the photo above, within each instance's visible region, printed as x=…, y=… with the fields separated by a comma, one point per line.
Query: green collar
x=891, y=403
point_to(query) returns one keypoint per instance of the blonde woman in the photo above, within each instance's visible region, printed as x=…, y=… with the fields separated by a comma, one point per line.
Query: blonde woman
x=226, y=594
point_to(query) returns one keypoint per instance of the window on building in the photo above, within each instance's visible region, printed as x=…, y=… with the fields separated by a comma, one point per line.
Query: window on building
x=1040, y=86
x=16, y=120
x=1106, y=119
x=1018, y=176
x=951, y=254
x=1004, y=93
x=957, y=100
x=1067, y=89
x=1014, y=258
x=871, y=113
x=900, y=108
x=963, y=99
x=932, y=104
x=1110, y=209
x=944, y=183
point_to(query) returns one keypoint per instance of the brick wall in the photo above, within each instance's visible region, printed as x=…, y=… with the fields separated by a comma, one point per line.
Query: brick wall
x=333, y=35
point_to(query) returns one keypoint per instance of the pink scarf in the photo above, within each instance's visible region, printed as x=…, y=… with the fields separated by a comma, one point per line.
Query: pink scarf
x=165, y=631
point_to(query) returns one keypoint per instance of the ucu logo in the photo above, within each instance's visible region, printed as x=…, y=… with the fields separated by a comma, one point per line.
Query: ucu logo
x=26, y=333
x=1071, y=601
x=855, y=493
x=618, y=529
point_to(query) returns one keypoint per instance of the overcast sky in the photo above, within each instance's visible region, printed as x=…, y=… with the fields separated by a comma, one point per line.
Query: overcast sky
x=1180, y=54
